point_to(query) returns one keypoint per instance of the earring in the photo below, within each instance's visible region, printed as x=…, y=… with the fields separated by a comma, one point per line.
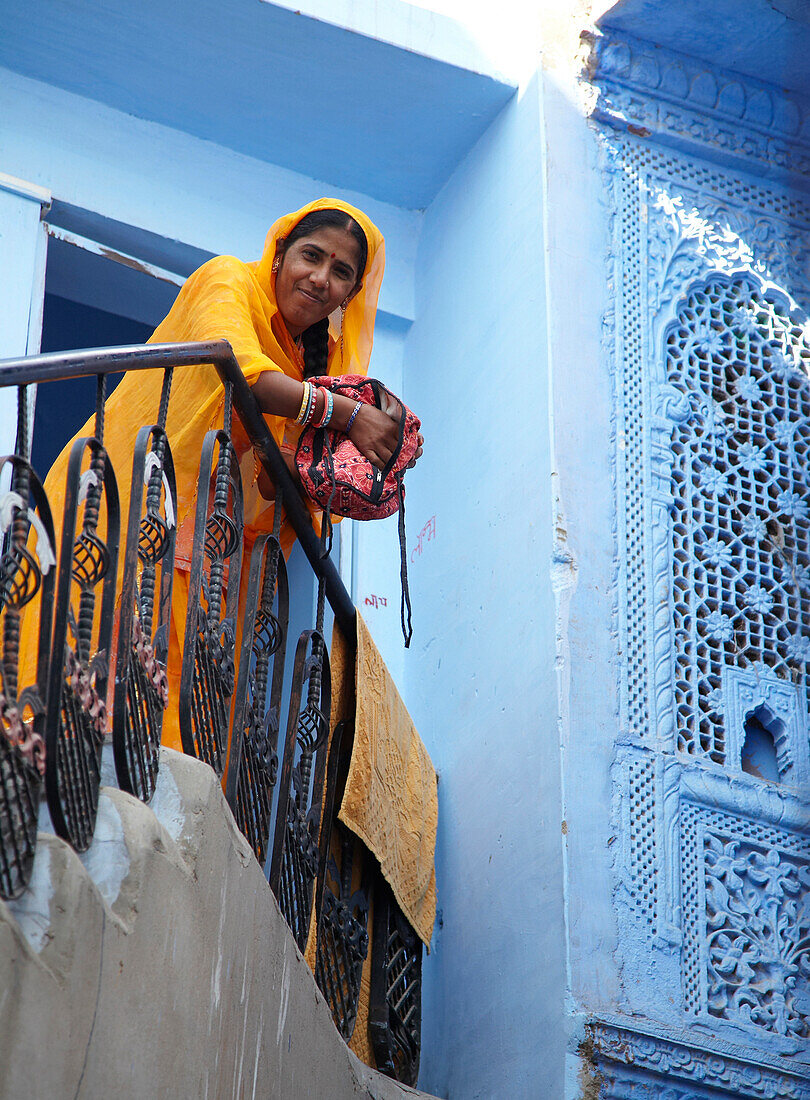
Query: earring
x=343, y=306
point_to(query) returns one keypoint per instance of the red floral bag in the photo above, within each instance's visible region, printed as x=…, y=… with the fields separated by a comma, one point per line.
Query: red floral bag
x=342, y=482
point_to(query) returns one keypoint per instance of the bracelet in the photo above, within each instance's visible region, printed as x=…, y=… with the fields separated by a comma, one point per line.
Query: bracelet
x=330, y=397
x=304, y=404
x=311, y=405
x=328, y=405
x=311, y=420
x=355, y=411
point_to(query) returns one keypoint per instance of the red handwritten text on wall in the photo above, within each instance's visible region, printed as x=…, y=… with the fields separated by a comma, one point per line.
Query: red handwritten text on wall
x=427, y=533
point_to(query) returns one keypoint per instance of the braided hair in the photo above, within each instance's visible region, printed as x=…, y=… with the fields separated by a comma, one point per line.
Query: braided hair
x=315, y=339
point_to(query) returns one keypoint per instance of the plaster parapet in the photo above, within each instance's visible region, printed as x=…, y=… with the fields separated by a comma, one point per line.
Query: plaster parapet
x=158, y=964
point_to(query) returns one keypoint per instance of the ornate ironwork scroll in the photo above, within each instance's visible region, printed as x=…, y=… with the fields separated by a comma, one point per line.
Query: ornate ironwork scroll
x=141, y=686
x=207, y=678
x=253, y=760
x=294, y=866
x=342, y=912
x=395, y=1002
x=27, y=566
x=77, y=714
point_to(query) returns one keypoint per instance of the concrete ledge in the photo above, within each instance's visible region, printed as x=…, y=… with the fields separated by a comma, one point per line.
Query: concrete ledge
x=158, y=965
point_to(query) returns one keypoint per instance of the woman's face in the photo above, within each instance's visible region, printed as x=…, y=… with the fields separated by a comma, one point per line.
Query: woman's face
x=317, y=272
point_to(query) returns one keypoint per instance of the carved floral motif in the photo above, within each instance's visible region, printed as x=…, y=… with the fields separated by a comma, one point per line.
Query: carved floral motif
x=758, y=936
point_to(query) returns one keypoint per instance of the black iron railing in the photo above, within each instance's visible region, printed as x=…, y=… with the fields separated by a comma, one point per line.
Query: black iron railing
x=52, y=728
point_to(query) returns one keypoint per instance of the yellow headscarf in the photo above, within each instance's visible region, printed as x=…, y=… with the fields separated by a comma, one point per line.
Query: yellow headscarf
x=228, y=299
x=231, y=300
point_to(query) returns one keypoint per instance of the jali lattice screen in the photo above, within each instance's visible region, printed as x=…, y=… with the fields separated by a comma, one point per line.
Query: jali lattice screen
x=741, y=530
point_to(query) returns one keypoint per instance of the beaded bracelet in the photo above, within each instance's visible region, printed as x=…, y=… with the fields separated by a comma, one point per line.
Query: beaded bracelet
x=355, y=411
x=313, y=412
x=311, y=407
x=302, y=412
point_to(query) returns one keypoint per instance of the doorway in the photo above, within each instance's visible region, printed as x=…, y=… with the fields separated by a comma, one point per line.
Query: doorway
x=94, y=297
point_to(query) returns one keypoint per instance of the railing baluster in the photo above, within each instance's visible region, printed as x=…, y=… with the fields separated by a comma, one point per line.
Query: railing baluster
x=77, y=717
x=342, y=915
x=209, y=651
x=395, y=1014
x=294, y=865
x=141, y=686
x=26, y=569
x=253, y=760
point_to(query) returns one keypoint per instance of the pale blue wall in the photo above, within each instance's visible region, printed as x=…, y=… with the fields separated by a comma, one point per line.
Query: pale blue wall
x=464, y=333
x=170, y=183
x=480, y=677
x=582, y=413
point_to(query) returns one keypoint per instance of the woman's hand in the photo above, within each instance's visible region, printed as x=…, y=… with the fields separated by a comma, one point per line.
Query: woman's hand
x=265, y=483
x=420, y=439
x=375, y=434
x=393, y=408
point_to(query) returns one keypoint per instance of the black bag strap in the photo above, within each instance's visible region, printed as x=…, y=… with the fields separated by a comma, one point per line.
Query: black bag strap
x=376, y=492
x=379, y=476
x=405, y=600
x=378, y=484
x=326, y=521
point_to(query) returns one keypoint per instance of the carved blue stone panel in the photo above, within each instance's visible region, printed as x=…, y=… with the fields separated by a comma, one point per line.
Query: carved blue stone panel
x=631, y=1064
x=741, y=523
x=709, y=342
x=746, y=948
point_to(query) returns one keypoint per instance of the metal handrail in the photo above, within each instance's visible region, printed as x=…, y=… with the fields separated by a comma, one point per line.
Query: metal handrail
x=66, y=701
x=90, y=362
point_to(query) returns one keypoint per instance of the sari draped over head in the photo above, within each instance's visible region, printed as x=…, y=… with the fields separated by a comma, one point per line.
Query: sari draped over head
x=235, y=301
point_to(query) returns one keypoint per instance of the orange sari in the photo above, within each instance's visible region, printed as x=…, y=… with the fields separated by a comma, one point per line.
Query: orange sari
x=231, y=300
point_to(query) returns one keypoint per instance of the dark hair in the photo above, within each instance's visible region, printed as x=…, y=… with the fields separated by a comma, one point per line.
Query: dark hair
x=316, y=338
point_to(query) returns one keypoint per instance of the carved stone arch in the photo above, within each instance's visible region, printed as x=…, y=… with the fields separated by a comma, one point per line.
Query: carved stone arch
x=730, y=525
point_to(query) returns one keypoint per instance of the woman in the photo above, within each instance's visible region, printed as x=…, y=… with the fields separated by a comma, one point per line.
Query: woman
x=322, y=262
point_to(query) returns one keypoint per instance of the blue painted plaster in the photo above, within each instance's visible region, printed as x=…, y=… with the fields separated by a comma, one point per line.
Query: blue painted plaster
x=765, y=39
x=479, y=679
x=267, y=82
x=151, y=178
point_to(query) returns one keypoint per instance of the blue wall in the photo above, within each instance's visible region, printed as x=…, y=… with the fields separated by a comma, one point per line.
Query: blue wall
x=480, y=677
x=464, y=332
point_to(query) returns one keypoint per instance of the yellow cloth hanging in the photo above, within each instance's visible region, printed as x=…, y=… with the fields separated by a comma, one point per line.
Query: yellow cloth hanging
x=391, y=800
x=231, y=300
